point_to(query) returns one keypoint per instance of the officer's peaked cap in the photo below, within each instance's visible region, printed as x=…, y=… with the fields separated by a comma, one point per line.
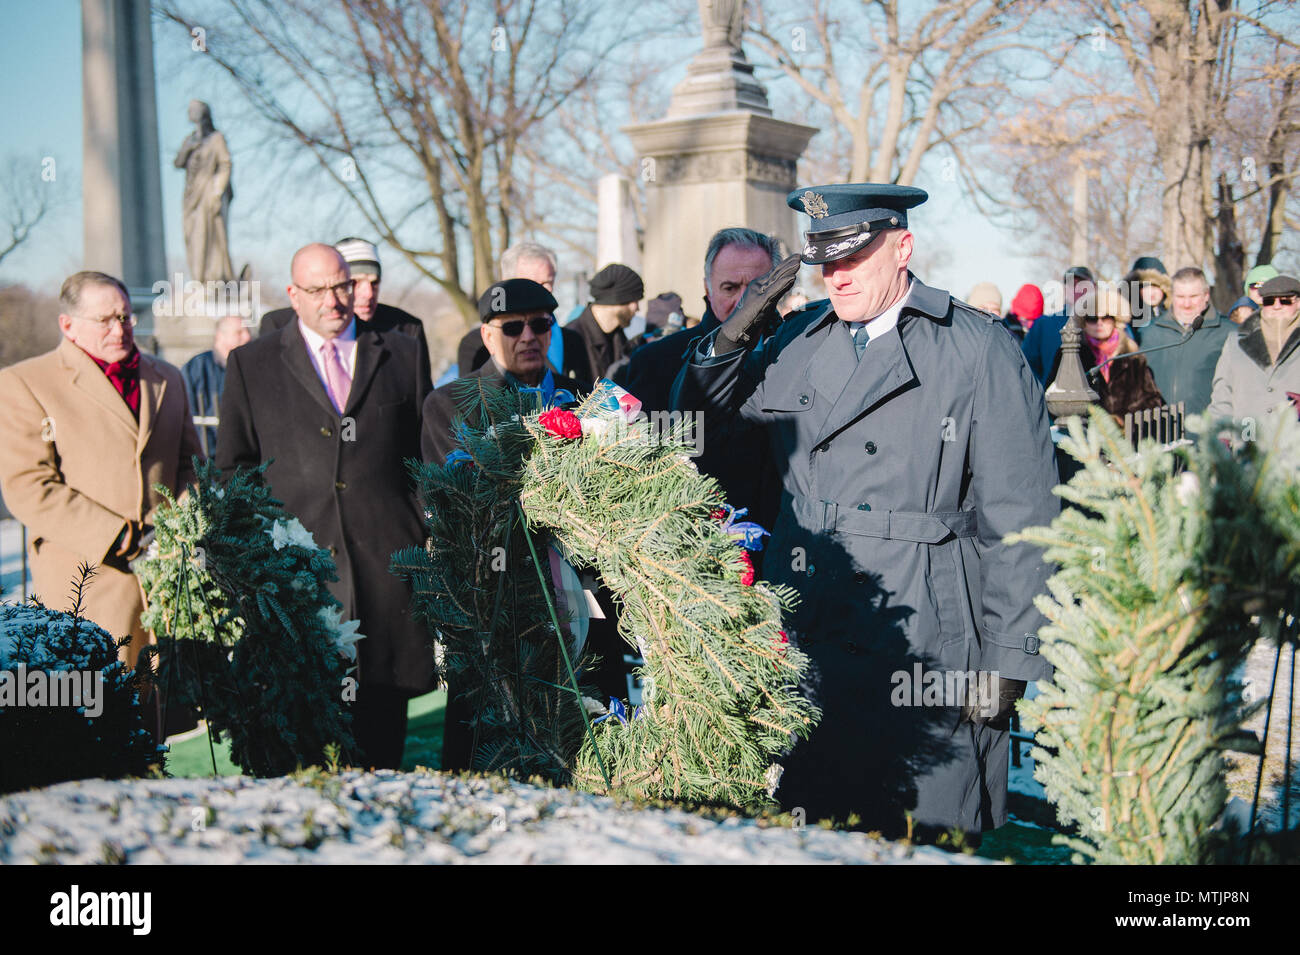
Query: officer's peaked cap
x=846, y=216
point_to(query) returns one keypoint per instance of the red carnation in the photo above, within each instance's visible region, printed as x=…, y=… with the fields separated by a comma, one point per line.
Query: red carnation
x=783, y=642
x=718, y=514
x=561, y=423
x=747, y=575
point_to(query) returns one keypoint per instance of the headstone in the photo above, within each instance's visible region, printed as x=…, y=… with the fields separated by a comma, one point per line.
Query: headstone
x=616, y=228
x=718, y=159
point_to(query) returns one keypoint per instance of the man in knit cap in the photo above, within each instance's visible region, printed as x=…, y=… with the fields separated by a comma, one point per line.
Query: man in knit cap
x=616, y=291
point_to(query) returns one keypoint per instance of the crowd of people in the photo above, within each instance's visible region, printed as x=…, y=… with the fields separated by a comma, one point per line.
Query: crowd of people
x=1153, y=340
x=848, y=425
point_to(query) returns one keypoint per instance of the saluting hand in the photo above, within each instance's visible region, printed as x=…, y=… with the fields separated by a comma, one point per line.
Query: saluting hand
x=756, y=311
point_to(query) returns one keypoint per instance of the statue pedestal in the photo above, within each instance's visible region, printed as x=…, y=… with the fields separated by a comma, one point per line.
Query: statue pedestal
x=708, y=172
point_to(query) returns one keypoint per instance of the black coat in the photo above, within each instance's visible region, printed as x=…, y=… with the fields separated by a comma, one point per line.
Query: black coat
x=650, y=371
x=344, y=478
x=388, y=318
x=601, y=349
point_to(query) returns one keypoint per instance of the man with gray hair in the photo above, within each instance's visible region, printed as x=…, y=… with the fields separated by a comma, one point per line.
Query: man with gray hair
x=733, y=257
x=205, y=378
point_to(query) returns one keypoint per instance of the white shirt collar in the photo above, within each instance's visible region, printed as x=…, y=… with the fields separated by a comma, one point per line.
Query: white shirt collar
x=886, y=320
x=315, y=341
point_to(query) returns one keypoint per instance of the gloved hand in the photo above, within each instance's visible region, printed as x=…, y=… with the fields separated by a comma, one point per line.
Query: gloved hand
x=1008, y=692
x=756, y=309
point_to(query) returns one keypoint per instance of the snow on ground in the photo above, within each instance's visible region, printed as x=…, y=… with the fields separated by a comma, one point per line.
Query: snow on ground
x=388, y=817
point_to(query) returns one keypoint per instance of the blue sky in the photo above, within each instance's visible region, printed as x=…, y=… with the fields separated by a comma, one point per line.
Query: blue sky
x=40, y=99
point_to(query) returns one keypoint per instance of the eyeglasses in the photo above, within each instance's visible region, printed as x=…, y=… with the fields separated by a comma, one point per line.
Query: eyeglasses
x=513, y=329
x=107, y=322
x=1279, y=299
x=340, y=291
x=1099, y=318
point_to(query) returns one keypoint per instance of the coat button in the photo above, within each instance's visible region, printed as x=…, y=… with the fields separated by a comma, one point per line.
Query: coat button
x=1270, y=391
x=326, y=433
x=859, y=577
x=340, y=485
x=803, y=399
x=864, y=506
x=871, y=447
x=823, y=447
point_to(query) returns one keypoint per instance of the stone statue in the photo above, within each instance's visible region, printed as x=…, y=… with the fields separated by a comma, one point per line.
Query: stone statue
x=723, y=22
x=206, y=162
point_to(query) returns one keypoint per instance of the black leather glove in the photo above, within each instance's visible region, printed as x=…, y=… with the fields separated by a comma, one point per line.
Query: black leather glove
x=756, y=310
x=1008, y=692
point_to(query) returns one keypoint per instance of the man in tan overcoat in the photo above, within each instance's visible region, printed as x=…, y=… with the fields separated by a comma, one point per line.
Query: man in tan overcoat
x=88, y=429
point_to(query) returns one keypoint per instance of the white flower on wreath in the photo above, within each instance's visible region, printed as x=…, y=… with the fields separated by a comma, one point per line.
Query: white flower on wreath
x=594, y=707
x=342, y=633
x=291, y=532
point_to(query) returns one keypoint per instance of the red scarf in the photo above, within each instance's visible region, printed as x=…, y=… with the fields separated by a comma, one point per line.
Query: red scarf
x=124, y=375
x=1105, y=350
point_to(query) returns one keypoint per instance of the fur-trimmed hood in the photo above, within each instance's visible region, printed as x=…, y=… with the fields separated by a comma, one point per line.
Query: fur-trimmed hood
x=1152, y=277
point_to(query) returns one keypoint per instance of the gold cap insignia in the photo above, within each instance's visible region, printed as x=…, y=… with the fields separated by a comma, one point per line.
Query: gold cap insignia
x=814, y=205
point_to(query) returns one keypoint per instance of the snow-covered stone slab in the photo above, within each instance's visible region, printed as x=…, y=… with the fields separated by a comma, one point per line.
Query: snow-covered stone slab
x=387, y=817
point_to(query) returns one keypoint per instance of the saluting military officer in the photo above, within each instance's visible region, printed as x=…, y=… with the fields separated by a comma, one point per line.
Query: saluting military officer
x=911, y=437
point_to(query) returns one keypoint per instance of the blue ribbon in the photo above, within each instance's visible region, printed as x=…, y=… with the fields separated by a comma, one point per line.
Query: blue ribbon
x=457, y=457
x=616, y=710
x=750, y=534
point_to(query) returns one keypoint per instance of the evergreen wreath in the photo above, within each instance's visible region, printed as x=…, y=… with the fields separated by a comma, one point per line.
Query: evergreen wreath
x=42, y=739
x=247, y=630
x=1170, y=567
x=721, y=701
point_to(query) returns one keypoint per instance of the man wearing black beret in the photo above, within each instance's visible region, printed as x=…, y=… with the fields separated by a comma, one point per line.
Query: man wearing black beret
x=616, y=291
x=910, y=438
x=517, y=318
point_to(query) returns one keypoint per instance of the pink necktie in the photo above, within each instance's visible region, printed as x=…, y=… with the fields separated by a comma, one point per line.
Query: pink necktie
x=337, y=378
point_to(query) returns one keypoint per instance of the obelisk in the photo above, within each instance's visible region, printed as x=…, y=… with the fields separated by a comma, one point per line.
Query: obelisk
x=718, y=159
x=121, y=181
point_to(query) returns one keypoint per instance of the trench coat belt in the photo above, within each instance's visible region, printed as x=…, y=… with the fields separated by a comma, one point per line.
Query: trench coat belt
x=922, y=527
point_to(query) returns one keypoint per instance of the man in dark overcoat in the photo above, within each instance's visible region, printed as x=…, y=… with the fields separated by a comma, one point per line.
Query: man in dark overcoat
x=335, y=406
x=910, y=437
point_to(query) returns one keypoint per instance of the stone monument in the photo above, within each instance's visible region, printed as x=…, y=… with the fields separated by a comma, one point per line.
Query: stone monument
x=719, y=158
x=122, y=219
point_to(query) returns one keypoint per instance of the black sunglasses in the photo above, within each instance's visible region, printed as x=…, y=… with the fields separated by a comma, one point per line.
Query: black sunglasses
x=513, y=329
x=1279, y=299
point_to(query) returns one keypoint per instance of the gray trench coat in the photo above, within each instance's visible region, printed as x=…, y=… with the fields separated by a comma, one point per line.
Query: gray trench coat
x=901, y=474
